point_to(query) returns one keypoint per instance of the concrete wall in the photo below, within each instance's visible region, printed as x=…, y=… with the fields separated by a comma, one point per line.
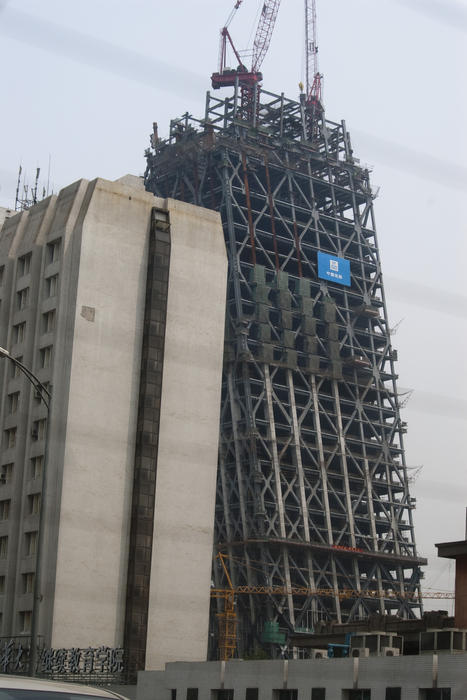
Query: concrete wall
x=99, y=434
x=188, y=438
x=410, y=673
x=5, y=214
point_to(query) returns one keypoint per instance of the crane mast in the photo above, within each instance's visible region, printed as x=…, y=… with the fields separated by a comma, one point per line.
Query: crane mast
x=313, y=76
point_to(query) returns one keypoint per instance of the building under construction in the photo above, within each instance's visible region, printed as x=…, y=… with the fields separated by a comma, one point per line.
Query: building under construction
x=313, y=504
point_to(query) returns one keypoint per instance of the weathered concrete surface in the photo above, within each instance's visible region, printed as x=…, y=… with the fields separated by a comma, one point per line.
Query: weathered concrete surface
x=90, y=588
x=188, y=438
x=338, y=676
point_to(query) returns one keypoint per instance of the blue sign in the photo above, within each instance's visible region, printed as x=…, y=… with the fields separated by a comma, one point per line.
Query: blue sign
x=333, y=269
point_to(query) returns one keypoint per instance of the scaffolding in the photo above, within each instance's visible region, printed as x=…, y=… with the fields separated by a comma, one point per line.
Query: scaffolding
x=312, y=482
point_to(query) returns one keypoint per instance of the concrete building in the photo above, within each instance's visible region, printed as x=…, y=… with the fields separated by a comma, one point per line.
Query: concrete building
x=114, y=299
x=430, y=677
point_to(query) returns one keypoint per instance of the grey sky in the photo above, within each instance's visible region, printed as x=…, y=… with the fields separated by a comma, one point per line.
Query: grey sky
x=83, y=82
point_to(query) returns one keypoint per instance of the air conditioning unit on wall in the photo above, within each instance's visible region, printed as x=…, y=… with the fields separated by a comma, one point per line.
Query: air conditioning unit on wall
x=319, y=654
x=360, y=652
x=390, y=651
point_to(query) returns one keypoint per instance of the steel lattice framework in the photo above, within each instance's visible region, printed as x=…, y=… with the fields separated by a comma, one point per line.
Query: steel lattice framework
x=312, y=481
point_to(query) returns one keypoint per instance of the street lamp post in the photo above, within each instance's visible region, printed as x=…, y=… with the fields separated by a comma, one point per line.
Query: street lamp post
x=46, y=398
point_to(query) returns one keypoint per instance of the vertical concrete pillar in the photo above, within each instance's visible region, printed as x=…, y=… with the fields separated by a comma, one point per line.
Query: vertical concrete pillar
x=458, y=551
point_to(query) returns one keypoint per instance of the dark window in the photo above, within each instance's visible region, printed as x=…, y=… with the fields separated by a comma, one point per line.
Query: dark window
x=24, y=265
x=318, y=694
x=30, y=539
x=360, y=694
x=28, y=582
x=435, y=693
x=51, y=286
x=251, y=694
x=173, y=694
x=222, y=694
x=10, y=438
x=48, y=321
x=393, y=694
x=4, y=509
x=6, y=473
x=192, y=694
x=18, y=332
x=282, y=694
x=34, y=503
x=22, y=298
x=13, y=400
x=53, y=251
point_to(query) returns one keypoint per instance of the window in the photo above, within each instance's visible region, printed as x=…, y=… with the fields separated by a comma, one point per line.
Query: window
x=51, y=286
x=39, y=428
x=38, y=394
x=15, y=370
x=19, y=331
x=363, y=694
x=281, y=694
x=24, y=264
x=435, y=693
x=318, y=694
x=173, y=694
x=13, y=400
x=5, y=509
x=31, y=543
x=393, y=694
x=53, y=251
x=192, y=694
x=10, y=438
x=28, y=582
x=226, y=694
x=25, y=621
x=37, y=464
x=22, y=298
x=2, y=585
x=6, y=473
x=48, y=321
x=3, y=547
x=2, y=274
x=251, y=694
x=34, y=503
x=45, y=356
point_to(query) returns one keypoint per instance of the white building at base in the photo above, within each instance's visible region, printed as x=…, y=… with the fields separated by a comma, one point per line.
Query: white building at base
x=115, y=299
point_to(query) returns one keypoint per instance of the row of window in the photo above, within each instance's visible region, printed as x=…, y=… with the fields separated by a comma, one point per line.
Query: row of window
x=38, y=431
x=33, y=501
x=23, y=295
x=30, y=538
x=27, y=583
x=52, y=254
x=392, y=693
x=48, y=321
x=24, y=621
x=36, y=465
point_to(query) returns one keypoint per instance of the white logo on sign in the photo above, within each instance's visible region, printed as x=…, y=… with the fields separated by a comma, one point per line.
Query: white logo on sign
x=334, y=265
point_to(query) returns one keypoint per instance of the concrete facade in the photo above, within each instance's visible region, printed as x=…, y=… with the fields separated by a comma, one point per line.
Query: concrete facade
x=73, y=309
x=405, y=677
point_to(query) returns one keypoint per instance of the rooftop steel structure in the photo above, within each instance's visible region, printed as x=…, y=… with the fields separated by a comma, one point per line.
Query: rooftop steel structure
x=312, y=481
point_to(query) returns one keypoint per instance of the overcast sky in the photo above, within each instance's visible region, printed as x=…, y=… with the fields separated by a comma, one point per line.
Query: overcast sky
x=82, y=83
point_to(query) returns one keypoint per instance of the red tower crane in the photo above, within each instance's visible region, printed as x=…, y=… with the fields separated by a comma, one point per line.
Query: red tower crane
x=247, y=78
